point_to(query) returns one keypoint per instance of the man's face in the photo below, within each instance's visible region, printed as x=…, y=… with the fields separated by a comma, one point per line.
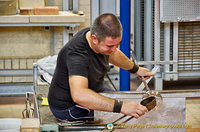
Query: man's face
x=107, y=46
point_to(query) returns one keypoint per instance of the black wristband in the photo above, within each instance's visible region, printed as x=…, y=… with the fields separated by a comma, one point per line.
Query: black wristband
x=134, y=69
x=117, y=106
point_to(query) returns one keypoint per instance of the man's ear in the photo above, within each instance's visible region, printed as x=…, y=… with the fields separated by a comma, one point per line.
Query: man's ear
x=94, y=39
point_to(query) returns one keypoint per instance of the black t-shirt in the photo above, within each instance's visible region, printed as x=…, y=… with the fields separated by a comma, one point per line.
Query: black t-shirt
x=76, y=58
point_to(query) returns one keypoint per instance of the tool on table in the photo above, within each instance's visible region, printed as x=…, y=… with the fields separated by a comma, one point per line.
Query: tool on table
x=28, y=112
x=152, y=99
x=149, y=102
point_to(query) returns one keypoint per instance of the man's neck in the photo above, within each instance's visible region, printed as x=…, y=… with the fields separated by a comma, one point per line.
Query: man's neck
x=88, y=37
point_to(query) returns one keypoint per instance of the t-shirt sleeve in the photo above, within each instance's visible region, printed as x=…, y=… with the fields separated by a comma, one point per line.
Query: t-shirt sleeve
x=77, y=63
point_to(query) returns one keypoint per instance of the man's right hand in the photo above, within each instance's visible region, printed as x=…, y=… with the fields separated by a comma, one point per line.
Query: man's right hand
x=133, y=109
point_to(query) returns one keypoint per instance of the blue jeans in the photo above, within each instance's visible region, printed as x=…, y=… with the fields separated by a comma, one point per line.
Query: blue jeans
x=74, y=113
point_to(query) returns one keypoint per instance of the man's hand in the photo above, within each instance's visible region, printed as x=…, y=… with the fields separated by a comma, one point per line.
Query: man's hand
x=144, y=72
x=133, y=109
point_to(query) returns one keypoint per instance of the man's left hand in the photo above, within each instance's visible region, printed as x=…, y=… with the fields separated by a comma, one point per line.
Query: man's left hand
x=144, y=72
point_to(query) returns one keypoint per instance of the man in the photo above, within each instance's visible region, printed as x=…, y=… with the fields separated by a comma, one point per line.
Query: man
x=81, y=66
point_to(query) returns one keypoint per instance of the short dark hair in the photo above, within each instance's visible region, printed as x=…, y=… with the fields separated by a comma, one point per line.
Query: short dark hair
x=106, y=25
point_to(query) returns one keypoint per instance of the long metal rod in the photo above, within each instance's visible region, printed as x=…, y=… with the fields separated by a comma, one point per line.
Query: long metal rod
x=35, y=74
x=137, y=29
x=148, y=31
x=167, y=48
x=158, y=80
x=175, y=50
x=125, y=43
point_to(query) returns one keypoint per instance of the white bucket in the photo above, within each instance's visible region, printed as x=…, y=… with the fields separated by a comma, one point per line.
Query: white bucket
x=10, y=124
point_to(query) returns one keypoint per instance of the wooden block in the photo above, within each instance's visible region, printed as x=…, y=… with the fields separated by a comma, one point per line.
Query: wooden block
x=15, y=63
x=27, y=4
x=30, y=63
x=30, y=125
x=48, y=10
x=8, y=64
x=22, y=63
x=1, y=64
x=26, y=11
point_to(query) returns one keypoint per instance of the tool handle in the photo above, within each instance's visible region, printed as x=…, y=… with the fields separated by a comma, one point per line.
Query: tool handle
x=145, y=84
x=154, y=70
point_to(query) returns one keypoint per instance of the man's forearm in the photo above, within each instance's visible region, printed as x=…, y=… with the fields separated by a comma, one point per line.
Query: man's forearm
x=95, y=101
x=119, y=59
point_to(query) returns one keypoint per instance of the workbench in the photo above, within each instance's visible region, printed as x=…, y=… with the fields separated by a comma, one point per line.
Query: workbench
x=172, y=112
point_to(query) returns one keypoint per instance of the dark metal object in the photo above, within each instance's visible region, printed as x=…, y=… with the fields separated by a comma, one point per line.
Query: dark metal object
x=149, y=102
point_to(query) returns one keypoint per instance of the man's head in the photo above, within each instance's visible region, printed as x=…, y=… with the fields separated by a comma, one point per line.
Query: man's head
x=106, y=34
x=106, y=25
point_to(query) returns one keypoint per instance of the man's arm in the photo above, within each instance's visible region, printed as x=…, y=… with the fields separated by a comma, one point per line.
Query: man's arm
x=84, y=96
x=119, y=59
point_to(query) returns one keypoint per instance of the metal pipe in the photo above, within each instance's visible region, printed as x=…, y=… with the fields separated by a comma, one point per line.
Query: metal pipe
x=148, y=31
x=175, y=50
x=158, y=80
x=167, y=48
x=94, y=9
x=125, y=43
x=35, y=73
x=137, y=29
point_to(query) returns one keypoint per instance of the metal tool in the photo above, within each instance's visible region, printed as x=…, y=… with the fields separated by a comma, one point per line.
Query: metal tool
x=154, y=97
x=154, y=70
x=28, y=112
x=152, y=100
x=149, y=102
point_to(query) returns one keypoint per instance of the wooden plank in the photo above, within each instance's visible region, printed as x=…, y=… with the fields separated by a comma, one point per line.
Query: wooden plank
x=30, y=125
x=63, y=17
x=14, y=19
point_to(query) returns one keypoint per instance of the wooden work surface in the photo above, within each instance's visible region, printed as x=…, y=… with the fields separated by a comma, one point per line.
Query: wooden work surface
x=63, y=17
x=46, y=117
